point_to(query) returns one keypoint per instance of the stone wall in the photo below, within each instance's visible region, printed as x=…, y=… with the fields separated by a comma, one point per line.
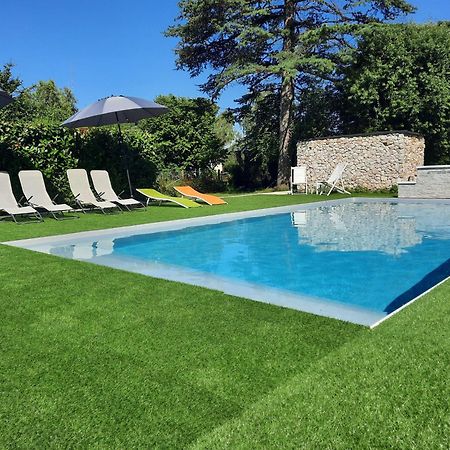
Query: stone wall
x=375, y=161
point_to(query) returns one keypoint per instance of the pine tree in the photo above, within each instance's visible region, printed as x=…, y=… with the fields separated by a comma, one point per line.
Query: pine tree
x=272, y=44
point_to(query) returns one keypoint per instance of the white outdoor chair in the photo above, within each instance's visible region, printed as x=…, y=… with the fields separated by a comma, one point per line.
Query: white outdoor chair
x=10, y=205
x=298, y=178
x=103, y=187
x=335, y=182
x=79, y=185
x=33, y=187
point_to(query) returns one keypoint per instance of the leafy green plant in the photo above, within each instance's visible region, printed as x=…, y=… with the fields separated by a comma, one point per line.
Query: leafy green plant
x=398, y=78
x=187, y=137
x=167, y=180
x=53, y=149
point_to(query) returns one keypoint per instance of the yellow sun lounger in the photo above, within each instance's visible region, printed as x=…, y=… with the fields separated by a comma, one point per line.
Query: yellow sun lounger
x=190, y=192
x=153, y=194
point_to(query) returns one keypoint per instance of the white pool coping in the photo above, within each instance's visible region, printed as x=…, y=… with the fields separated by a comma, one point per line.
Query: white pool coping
x=279, y=297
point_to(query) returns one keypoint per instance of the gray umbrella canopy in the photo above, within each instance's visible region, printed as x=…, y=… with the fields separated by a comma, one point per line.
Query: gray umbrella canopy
x=115, y=110
x=5, y=98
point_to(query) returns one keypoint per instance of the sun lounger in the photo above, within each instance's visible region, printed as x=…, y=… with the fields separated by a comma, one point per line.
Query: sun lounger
x=79, y=185
x=103, y=187
x=188, y=191
x=35, y=192
x=9, y=204
x=152, y=194
x=335, y=182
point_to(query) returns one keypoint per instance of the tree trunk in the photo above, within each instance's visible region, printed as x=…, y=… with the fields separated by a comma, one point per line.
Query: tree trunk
x=287, y=100
x=286, y=131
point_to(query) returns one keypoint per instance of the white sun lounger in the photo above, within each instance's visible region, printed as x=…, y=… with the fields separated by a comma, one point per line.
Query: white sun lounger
x=79, y=185
x=9, y=204
x=335, y=181
x=103, y=187
x=35, y=192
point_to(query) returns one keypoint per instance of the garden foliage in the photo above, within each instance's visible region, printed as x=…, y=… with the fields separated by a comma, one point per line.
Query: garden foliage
x=190, y=138
x=53, y=149
x=399, y=79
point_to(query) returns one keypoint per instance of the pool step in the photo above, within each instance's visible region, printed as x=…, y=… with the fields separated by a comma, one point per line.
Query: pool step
x=431, y=182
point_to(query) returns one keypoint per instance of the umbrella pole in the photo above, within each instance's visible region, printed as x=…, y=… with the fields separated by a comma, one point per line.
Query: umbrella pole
x=126, y=161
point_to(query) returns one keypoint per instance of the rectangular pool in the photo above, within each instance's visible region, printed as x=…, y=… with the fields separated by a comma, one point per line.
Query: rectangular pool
x=356, y=259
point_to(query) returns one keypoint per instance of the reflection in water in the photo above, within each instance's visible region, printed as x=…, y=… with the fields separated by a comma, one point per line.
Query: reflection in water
x=85, y=250
x=357, y=227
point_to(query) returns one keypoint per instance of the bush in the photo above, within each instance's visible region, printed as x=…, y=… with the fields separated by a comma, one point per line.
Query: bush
x=209, y=181
x=53, y=149
x=167, y=180
x=188, y=137
x=43, y=147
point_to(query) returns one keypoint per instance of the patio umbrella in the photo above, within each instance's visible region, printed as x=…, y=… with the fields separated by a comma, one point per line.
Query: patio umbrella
x=115, y=110
x=5, y=98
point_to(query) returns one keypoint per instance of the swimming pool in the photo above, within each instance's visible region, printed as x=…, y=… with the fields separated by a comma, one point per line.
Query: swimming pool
x=355, y=260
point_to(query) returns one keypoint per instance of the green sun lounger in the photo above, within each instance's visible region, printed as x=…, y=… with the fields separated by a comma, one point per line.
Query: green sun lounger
x=153, y=194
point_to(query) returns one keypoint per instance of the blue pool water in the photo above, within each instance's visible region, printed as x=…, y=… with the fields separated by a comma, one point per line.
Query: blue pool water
x=370, y=257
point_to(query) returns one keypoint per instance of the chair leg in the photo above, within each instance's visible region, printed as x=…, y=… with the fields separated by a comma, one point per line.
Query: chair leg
x=331, y=188
x=81, y=206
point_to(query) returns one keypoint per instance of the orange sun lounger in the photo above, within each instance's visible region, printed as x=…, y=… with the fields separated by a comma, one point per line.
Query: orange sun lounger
x=188, y=191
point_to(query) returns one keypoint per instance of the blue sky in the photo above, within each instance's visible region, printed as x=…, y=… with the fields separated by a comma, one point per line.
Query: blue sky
x=104, y=47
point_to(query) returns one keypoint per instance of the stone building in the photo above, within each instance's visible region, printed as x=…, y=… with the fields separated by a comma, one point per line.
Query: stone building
x=375, y=160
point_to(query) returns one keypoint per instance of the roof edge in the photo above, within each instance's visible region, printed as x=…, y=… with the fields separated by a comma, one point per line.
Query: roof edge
x=374, y=133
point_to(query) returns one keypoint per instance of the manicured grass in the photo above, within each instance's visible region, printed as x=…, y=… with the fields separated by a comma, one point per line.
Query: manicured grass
x=386, y=389
x=96, y=357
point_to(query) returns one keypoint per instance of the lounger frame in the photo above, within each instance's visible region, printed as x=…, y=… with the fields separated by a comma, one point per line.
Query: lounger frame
x=335, y=182
x=93, y=202
x=160, y=200
x=111, y=196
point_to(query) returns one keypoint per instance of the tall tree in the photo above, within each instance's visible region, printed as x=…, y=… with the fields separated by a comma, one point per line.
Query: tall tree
x=399, y=78
x=8, y=81
x=46, y=101
x=271, y=43
x=186, y=137
x=13, y=85
x=43, y=101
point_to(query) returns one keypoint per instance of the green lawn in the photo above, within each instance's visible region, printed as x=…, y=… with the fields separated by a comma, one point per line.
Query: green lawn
x=93, y=357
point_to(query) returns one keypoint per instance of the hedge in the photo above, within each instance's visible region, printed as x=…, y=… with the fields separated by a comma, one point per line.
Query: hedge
x=53, y=149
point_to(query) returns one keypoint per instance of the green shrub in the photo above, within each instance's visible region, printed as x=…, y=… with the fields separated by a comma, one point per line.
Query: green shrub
x=47, y=148
x=167, y=180
x=53, y=149
x=209, y=181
